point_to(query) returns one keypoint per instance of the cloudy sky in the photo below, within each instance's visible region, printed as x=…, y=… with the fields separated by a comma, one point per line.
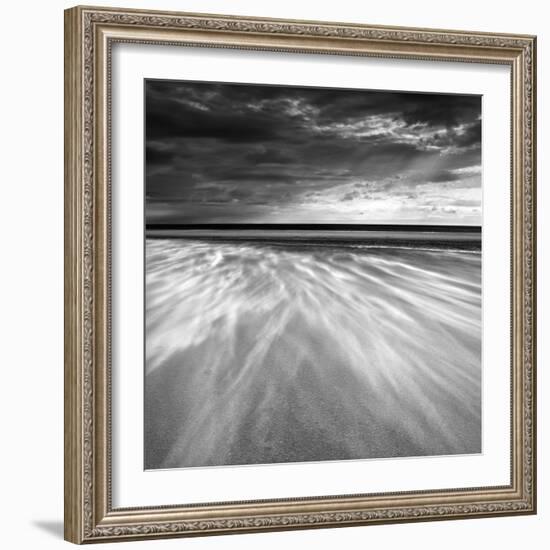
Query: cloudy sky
x=229, y=153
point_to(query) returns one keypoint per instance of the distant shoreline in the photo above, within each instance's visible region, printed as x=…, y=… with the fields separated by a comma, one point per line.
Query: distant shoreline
x=315, y=227
x=317, y=237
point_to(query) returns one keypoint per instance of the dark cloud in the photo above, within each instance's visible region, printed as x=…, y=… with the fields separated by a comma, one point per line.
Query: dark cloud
x=219, y=152
x=157, y=156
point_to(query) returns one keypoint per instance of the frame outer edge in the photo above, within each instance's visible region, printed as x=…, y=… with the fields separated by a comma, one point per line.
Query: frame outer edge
x=532, y=271
x=73, y=372
x=535, y=272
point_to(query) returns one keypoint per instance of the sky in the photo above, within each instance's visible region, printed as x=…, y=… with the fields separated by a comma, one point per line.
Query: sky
x=244, y=153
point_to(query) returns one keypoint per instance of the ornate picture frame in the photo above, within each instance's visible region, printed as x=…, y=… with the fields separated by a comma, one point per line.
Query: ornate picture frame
x=90, y=34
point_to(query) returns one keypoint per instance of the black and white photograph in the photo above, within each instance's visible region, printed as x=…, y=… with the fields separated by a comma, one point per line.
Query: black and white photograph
x=313, y=274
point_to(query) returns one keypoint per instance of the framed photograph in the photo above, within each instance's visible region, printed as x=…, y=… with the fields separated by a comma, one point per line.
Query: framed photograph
x=300, y=274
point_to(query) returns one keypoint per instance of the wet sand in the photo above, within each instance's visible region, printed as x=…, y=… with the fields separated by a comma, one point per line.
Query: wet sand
x=268, y=353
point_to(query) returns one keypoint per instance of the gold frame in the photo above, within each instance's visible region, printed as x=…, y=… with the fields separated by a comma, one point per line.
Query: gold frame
x=89, y=35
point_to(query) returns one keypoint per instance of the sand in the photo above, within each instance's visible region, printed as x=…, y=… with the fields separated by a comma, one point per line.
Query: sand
x=259, y=353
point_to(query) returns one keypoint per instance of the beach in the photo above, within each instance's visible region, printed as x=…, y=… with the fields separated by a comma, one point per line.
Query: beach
x=277, y=350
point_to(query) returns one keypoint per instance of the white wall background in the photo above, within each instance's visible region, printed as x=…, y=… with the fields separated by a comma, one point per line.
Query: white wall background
x=31, y=289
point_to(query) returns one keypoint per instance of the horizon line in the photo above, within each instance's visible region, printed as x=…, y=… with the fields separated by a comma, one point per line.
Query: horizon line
x=313, y=226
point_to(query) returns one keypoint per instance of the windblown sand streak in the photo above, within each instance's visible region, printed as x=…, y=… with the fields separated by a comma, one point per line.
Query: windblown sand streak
x=266, y=353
